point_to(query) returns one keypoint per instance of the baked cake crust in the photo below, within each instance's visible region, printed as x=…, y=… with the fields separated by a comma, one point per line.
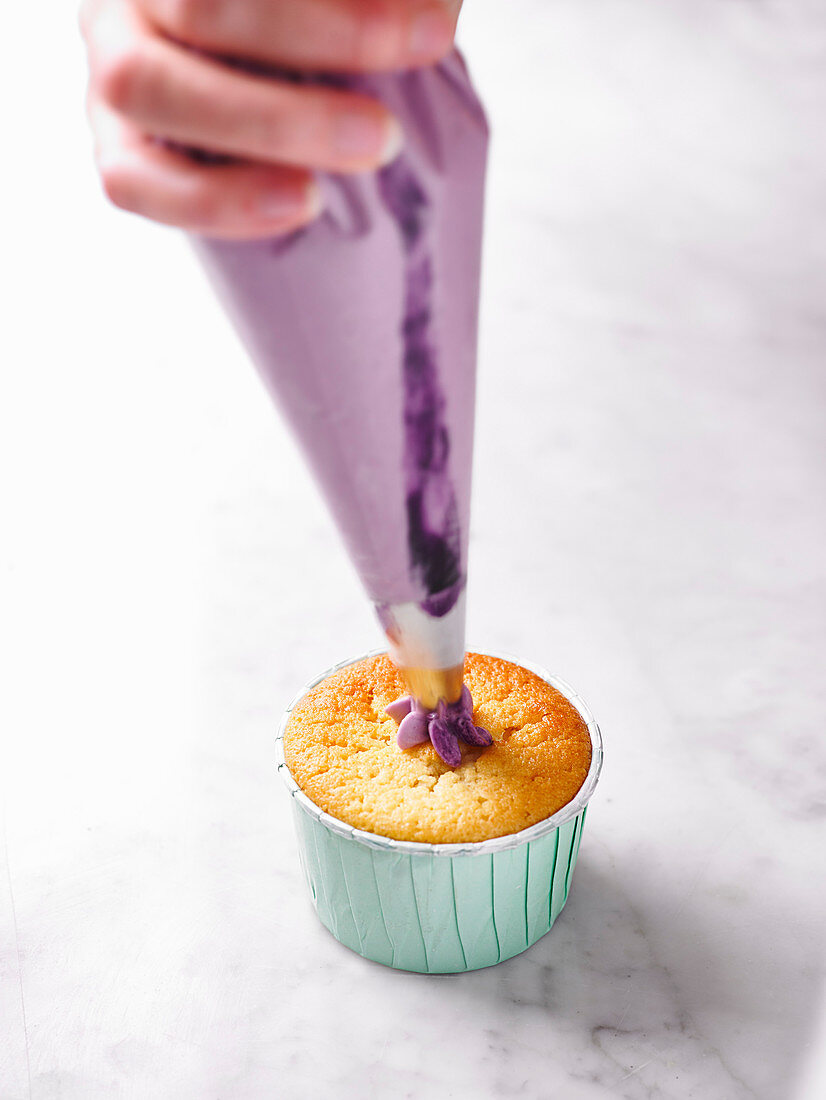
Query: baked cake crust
x=341, y=749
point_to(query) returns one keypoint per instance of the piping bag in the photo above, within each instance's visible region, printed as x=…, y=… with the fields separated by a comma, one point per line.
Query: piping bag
x=363, y=327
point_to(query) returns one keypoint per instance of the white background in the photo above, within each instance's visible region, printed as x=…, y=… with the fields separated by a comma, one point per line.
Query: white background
x=648, y=522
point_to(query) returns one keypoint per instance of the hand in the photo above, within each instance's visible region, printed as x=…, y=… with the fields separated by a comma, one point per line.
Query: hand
x=153, y=87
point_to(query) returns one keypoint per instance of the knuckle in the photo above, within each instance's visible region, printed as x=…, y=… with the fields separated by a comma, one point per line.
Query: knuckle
x=286, y=121
x=277, y=131
x=120, y=77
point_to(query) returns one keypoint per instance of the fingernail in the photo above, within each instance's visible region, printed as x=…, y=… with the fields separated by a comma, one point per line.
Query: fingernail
x=431, y=35
x=367, y=137
x=281, y=204
x=394, y=142
x=315, y=200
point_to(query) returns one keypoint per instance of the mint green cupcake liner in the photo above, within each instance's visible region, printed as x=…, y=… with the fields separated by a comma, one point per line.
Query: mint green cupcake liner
x=440, y=908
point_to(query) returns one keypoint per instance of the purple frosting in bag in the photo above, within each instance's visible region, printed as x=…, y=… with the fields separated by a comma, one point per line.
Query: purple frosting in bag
x=433, y=534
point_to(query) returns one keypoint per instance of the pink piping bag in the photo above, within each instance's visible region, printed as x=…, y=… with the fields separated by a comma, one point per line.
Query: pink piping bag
x=363, y=327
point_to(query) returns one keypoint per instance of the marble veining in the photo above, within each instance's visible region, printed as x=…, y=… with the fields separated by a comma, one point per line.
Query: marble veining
x=648, y=522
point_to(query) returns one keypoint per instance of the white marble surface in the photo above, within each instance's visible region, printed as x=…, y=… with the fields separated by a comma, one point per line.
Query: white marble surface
x=648, y=522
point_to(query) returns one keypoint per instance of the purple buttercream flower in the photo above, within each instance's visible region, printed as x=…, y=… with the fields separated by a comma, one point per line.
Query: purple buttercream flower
x=445, y=727
x=473, y=735
x=444, y=737
x=413, y=729
x=400, y=709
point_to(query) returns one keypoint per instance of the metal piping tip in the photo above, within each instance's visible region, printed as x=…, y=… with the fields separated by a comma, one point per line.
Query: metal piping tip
x=428, y=647
x=430, y=685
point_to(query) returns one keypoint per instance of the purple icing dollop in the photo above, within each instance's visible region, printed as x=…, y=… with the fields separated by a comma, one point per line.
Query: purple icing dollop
x=444, y=727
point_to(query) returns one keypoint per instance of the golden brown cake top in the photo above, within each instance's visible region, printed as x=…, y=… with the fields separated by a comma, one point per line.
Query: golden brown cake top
x=341, y=749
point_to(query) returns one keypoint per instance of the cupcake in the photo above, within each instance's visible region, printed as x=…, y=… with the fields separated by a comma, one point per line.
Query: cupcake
x=426, y=866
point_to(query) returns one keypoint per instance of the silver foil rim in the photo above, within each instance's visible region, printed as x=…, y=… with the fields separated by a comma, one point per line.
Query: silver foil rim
x=477, y=848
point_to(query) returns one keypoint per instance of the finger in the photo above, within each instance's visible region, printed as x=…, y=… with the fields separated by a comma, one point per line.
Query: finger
x=171, y=92
x=338, y=35
x=233, y=201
